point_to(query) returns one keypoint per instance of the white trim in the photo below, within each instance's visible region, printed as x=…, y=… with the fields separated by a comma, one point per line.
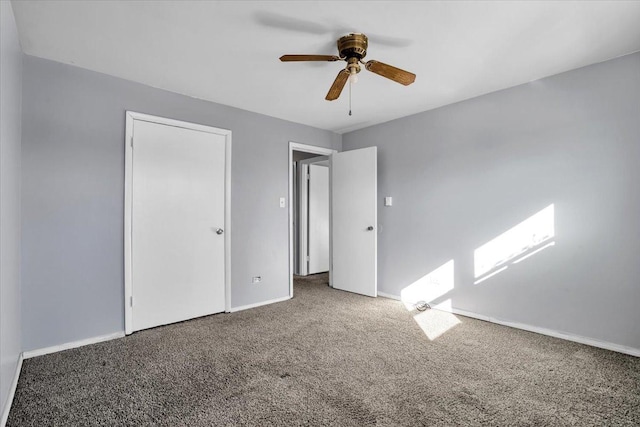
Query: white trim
x=390, y=296
x=543, y=331
x=302, y=227
x=303, y=219
x=69, y=345
x=259, y=304
x=473, y=315
x=177, y=123
x=296, y=146
x=550, y=332
x=12, y=392
x=128, y=173
x=227, y=223
x=131, y=116
x=331, y=221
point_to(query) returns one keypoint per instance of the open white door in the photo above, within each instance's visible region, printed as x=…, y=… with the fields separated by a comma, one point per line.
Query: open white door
x=354, y=241
x=318, y=238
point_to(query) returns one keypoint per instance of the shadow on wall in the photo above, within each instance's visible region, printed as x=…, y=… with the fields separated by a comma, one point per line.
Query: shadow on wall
x=508, y=249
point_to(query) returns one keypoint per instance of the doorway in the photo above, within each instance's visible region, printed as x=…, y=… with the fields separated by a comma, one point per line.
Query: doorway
x=353, y=216
x=311, y=215
x=177, y=178
x=305, y=159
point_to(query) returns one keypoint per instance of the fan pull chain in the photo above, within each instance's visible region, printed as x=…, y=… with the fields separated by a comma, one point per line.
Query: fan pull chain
x=349, y=96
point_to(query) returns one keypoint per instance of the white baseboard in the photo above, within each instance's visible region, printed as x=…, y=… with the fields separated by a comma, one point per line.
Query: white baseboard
x=390, y=296
x=549, y=332
x=258, y=304
x=69, y=345
x=557, y=334
x=12, y=392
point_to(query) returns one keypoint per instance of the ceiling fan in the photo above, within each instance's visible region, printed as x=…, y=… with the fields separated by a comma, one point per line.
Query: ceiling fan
x=352, y=49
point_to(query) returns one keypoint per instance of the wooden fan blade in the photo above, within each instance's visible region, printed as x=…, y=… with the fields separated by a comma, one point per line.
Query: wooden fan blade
x=338, y=85
x=291, y=58
x=396, y=74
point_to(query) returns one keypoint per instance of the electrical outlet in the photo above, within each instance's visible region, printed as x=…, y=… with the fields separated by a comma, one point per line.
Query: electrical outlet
x=256, y=279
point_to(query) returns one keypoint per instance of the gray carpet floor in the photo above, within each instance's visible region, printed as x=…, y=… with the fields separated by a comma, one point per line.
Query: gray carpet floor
x=329, y=357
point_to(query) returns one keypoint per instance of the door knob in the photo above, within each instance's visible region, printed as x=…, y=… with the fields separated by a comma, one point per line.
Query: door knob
x=370, y=228
x=219, y=231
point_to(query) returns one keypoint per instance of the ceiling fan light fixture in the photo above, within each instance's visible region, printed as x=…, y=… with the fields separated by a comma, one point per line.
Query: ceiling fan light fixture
x=354, y=68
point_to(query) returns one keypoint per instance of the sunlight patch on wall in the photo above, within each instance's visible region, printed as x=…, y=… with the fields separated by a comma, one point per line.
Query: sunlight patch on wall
x=434, y=323
x=429, y=287
x=527, y=238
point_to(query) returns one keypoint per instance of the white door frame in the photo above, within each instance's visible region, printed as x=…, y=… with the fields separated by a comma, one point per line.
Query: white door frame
x=296, y=146
x=131, y=116
x=304, y=167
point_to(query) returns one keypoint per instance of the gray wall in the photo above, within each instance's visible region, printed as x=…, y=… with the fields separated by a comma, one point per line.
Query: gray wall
x=73, y=180
x=10, y=130
x=463, y=174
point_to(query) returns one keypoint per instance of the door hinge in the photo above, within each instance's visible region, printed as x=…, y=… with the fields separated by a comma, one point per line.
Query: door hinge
x=131, y=301
x=308, y=176
x=131, y=142
x=308, y=258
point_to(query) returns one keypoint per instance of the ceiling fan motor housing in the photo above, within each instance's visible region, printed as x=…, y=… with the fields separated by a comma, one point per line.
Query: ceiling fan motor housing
x=353, y=45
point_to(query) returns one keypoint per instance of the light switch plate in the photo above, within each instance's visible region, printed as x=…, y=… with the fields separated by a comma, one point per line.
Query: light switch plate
x=283, y=202
x=388, y=201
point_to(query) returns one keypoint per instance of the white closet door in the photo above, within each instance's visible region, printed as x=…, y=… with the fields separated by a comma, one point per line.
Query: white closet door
x=318, y=219
x=353, y=220
x=178, y=209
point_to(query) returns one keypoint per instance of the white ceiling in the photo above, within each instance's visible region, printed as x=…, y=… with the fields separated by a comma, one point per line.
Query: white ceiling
x=227, y=52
